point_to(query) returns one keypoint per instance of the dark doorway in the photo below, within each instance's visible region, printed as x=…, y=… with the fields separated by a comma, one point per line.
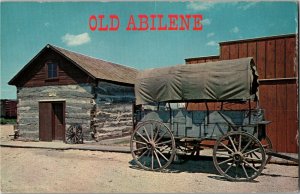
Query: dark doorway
x=52, y=121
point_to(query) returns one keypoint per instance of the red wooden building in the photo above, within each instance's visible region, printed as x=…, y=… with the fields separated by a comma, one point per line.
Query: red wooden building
x=8, y=108
x=276, y=58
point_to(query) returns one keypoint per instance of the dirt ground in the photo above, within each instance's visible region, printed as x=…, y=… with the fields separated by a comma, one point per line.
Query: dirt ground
x=40, y=170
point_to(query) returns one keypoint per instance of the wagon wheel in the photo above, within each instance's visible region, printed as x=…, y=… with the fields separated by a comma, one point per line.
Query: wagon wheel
x=152, y=145
x=239, y=156
x=74, y=134
x=267, y=144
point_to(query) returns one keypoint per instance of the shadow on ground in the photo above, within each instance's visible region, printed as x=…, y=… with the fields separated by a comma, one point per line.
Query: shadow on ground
x=200, y=164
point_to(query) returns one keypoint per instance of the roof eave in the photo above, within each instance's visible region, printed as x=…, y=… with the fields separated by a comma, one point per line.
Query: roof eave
x=73, y=62
x=13, y=80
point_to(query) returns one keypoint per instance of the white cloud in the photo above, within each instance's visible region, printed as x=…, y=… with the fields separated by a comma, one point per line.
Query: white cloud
x=212, y=43
x=197, y=6
x=247, y=5
x=210, y=34
x=235, y=30
x=75, y=40
x=206, y=21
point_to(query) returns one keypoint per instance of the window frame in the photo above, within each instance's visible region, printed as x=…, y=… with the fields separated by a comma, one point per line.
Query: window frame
x=47, y=70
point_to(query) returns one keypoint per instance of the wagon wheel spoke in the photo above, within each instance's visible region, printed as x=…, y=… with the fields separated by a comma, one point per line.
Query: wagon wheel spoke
x=230, y=139
x=152, y=160
x=256, y=155
x=251, y=166
x=245, y=171
x=151, y=131
x=142, y=137
x=157, y=158
x=240, y=143
x=142, y=154
x=139, y=142
x=138, y=149
x=161, y=154
x=236, y=166
x=246, y=146
x=251, y=151
x=225, y=161
x=230, y=150
x=146, y=133
x=161, y=137
x=156, y=134
x=165, y=142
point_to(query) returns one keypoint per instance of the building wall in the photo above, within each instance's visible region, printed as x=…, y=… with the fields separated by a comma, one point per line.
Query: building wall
x=8, y=108
x=276, y=59
x=113, y=117
x=78, y=99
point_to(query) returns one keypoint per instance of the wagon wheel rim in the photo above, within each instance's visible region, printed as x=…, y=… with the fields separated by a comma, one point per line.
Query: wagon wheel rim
x=267, y=144
x=152, y=145
x=239, y=156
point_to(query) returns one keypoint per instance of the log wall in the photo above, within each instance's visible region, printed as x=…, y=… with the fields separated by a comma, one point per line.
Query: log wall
x=79, y=104
x=113, y=117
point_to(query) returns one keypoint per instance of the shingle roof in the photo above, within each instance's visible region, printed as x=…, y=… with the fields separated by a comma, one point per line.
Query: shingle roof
x=96, y=68
x=100, y=69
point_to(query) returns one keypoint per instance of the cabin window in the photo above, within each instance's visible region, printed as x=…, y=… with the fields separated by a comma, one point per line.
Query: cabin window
x=52, y=70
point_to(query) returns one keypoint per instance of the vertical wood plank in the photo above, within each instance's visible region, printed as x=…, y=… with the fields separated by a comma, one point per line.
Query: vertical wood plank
x=234, y=51
x=292, y=117
x=243, y=50
x=290, y=57
x=224, y=52
x=280, y=56
x=270, y=59
x=261, y=59
x=281, y=112
x=252, y=51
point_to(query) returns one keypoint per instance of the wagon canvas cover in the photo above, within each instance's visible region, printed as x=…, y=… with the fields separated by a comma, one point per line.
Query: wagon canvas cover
x=226, y=80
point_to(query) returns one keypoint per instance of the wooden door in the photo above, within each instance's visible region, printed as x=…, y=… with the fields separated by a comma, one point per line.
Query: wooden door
x=45, y=121
x=58, y=127
x=51, y=121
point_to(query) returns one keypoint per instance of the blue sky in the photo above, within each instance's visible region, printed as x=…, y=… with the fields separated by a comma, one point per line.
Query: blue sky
x=26, y=27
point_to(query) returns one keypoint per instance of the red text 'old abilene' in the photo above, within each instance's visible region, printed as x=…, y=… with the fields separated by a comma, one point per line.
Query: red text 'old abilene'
x=144, y=22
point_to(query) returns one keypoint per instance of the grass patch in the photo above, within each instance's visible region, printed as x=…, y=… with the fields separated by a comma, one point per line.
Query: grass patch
x=5, y=121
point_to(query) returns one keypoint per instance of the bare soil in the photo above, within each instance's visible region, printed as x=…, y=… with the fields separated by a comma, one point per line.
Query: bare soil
x=40, y=170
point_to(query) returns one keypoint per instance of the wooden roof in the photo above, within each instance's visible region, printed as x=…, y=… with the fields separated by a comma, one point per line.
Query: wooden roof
x=96, y=68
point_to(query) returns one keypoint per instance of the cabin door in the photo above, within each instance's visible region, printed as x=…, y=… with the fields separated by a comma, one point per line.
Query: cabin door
x=52, y=121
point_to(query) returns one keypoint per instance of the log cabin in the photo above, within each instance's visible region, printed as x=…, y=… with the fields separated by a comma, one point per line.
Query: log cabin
x=59, y=88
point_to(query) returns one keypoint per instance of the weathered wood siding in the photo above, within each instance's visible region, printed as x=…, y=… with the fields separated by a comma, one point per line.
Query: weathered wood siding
x=113, y=117
x=79, y=100
x=68, y=73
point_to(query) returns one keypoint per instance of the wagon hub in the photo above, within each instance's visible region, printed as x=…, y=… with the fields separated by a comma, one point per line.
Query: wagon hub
x=152, y=145
x=238, y=157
